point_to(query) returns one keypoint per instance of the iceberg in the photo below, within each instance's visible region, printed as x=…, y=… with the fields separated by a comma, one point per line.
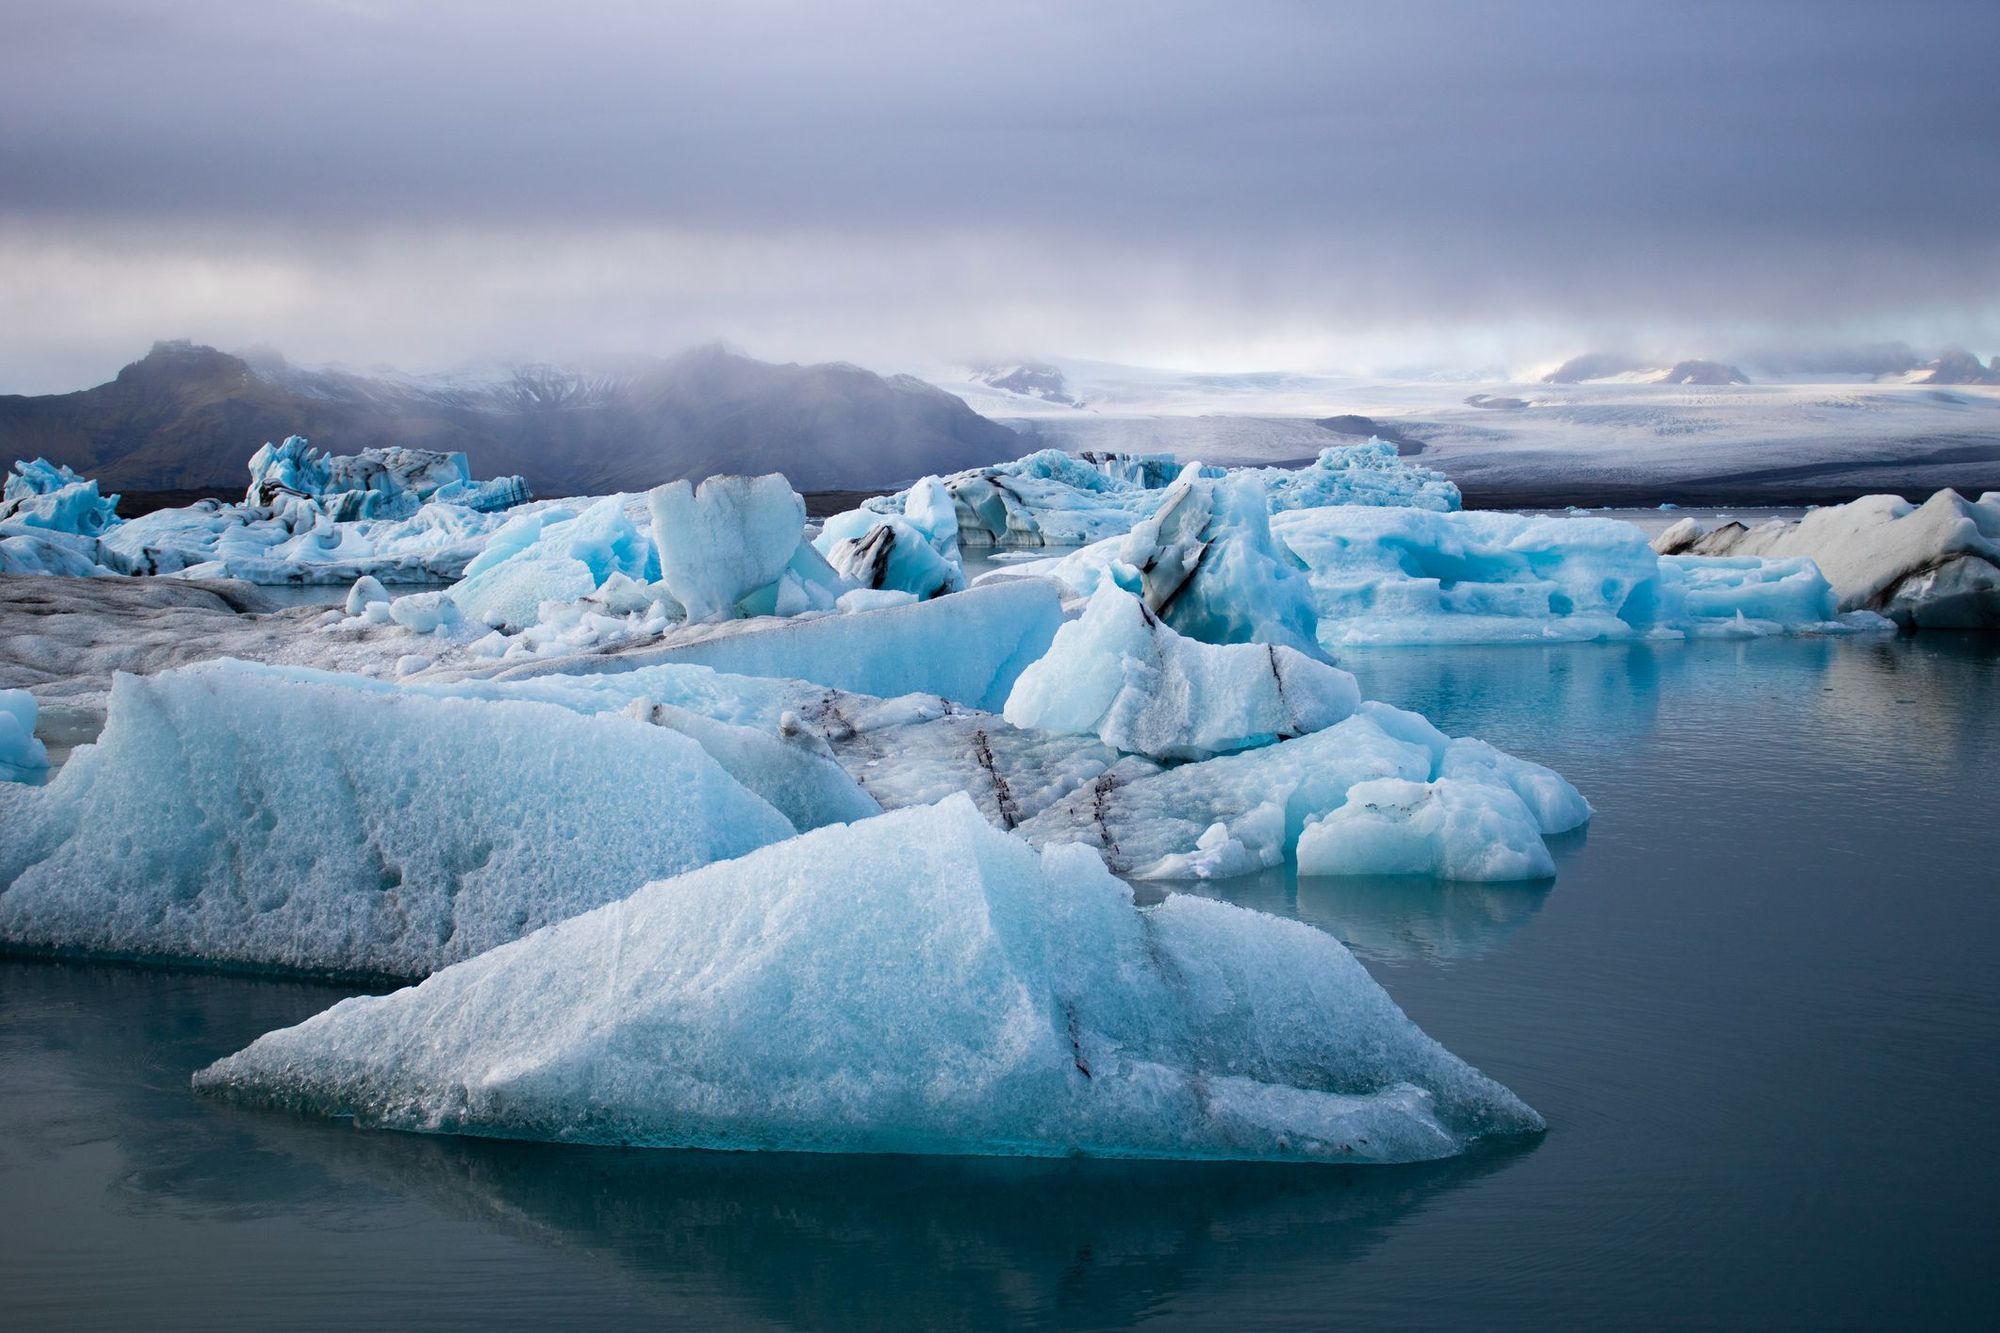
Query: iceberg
x=1402, y=576
x=375, y=483
x=916, y=983
x=1123, y=675
x=553, y=555
x=970, y=647
x=397, y=515
x=915, y=551
x=1933, y=566
x=1447, y=829
x=1055, y=499
x=1240, y=813
x=23, y=758
x=54, y=499
x=722, y=542
x=307, y=822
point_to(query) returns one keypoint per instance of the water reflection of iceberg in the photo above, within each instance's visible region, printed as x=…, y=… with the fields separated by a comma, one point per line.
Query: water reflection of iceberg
x=802, y=1240
x=1394, y=918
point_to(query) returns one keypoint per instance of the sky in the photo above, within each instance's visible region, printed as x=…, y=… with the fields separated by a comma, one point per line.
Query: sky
x=1258, y=184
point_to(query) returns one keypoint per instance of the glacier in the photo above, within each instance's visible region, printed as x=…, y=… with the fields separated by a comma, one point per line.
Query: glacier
x=1929, y=566
x=314, y=823
x=918, y=983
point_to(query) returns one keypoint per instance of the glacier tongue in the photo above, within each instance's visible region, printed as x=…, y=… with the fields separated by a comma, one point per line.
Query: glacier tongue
x=920, y=982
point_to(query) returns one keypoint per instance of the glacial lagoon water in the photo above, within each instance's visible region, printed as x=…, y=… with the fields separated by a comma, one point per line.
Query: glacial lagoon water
x=1760, y=1007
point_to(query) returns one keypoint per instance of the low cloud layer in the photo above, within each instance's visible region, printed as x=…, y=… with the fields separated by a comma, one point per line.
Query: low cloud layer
x=901, y=184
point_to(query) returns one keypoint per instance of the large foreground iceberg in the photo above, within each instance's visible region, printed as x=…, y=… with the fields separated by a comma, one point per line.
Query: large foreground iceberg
x=1934, y=565
x=920, y=982
x=301, y=821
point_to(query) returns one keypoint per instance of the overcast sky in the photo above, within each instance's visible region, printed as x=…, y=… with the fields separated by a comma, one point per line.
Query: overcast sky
x=1229, y=186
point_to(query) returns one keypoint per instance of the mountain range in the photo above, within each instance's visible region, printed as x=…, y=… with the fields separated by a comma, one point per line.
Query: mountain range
x=188, y=417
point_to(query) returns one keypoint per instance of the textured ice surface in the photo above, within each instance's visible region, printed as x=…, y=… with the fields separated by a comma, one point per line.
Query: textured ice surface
x=1122, y=674
x=239, y=815
x=375, y=483
x=920, y=982
x=969, y=647
x=915, y=551
x=1390, y=576
x=725, y=540
x=553, y=555
x=1052, y=498
x=22, y=757
x=400, y=515
x=1934, y=565
x=1359, y=474
x=40, y=494
x=1242, y=812
x=1447, y=829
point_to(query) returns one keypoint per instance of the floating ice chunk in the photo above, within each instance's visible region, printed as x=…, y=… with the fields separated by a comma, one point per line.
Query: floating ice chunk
x=1931, y=565
x=1396, y=576
x=44, y=495
x=890, y=552
x=1360, y=474
x=23, y=758
x=373, y=484
x=724, y=541
x=915, y=551
x=970, y=647
x=1160, y=824
x=295, y=820
x=1123, y=675
x=366, y=591
x=553, y=555
x=1448, y=829
x=1212, y=568
x=919, y=982
x=511, y=594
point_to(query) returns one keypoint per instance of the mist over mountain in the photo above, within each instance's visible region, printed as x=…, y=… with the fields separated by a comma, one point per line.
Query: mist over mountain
x=188, y=416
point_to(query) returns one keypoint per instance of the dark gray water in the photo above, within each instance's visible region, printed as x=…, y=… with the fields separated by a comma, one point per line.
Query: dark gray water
x=1760, y=1008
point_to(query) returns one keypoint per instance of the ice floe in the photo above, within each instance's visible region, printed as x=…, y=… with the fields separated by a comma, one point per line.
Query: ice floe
x=917, y=983
x=1934, y=565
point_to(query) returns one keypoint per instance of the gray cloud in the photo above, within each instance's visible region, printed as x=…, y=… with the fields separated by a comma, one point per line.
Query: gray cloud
x=897, y=182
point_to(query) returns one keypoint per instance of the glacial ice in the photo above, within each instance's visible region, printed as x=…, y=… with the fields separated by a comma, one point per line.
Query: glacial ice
x=916, y=983
x=23, y=758
x=555, y=554
x=1242, y=812
x=915, y=551
x=399, y=515
x=1052, y=498
x=40, y=494
x=1397, y=576
x=1123, y=675
x=1448, y=829
x=375, y=483
x=970, y=647
x=724, y=540
x=310, y=822
x=1934, y=565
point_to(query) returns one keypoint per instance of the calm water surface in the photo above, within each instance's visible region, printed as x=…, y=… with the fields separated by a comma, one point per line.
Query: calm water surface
x=1760, y=1008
